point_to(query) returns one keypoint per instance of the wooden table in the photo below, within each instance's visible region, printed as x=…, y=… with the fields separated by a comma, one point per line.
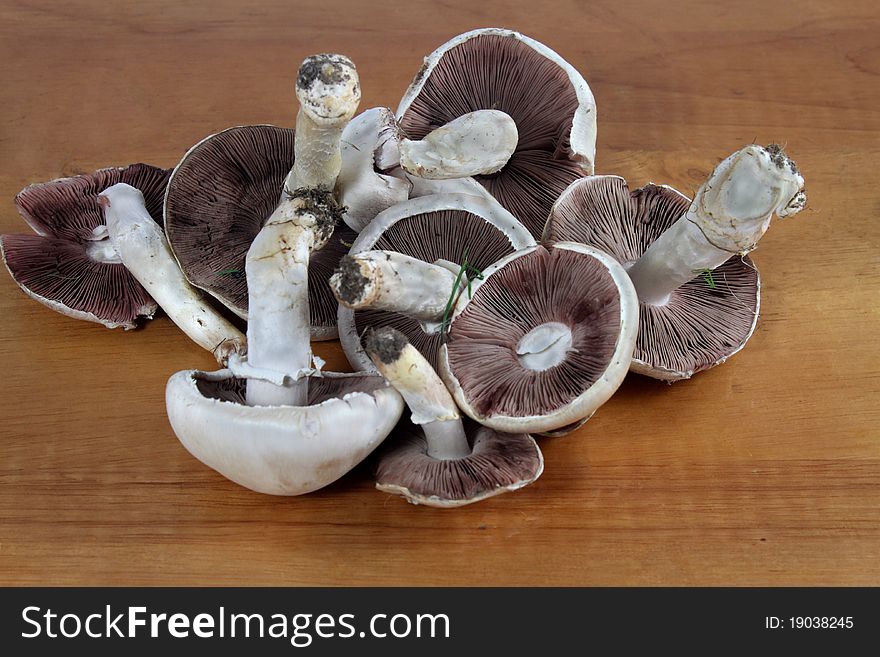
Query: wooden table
x=765, y=470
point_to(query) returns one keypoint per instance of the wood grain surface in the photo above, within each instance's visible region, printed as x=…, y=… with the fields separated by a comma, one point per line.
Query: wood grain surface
x=763, y=471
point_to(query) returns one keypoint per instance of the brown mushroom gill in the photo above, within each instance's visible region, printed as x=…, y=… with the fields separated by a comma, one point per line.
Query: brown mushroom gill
x=706, y=319
x=497, y=461
x=61, y=271
x=320, y=388
x=220, y=196
x=556, y=288
x=501, y=72
x=68, y=208
x=65, y=266
x=441, y=235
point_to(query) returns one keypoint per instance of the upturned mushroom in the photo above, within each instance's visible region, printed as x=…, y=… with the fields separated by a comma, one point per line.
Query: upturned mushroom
x=543, y=340
x=225, y=187
x=539, y=105
x=65, y=265
x=437, y=460
x=443, y=235
x=140, y=245
x=699, y=293
x=261, y=423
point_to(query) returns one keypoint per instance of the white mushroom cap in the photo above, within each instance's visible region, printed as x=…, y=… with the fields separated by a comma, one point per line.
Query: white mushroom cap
x=281, y=450
x=361, y=187
x=538, y=343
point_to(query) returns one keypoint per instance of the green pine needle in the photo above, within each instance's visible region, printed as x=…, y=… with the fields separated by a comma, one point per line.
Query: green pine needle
x=464, y=269
x=707, y=276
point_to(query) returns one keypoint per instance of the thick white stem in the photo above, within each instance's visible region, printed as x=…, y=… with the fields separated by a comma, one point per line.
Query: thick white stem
x=318, y=158
x=144, y=251
x=676, y=257
x=328, y=90
x=430, y=402
x=385, y=280
x=446, y=440
x=277, y=267
x=730, y=213
x=476, y=143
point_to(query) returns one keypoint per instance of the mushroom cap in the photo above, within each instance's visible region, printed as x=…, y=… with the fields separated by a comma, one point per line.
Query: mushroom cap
x=549, y=100
x=63, y=266
x=218, y=198
x=544, y=340
x=281, y=450
x=430, y=228
x=706, y=320
x=499, y=462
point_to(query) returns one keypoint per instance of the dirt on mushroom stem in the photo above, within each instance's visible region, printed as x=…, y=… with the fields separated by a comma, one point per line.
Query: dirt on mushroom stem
x=386, y=343
x=314, y=68
x=352, y=281
x=779, y=158
x=321, y=204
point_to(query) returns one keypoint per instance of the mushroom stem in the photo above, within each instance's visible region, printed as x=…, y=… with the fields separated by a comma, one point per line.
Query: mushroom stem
x=143, y=249
x=363, y=187
x=730, y=213
x=328, y=91
x=477, y=143
x=277, y=268
x=430, y=402
x=385, y=280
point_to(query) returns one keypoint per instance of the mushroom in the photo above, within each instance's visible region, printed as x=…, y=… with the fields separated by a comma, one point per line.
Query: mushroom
x=225, y=187
x=545, y=338
x=699, y=293
x=549, y=102
x=364, y=187
x=261, y=423
x=380, y=167
x=439, y=461
x=141, y=246
x=64, y=265
x=441, y=229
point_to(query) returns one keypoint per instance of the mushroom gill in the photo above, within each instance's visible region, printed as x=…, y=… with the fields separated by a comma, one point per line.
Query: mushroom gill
x=559, y=289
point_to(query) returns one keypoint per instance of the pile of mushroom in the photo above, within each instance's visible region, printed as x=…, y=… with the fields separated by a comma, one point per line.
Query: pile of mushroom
x=474, y=269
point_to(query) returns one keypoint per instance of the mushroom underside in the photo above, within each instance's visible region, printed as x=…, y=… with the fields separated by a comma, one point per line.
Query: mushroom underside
x=320, y=388
x=707, y=319
x=501, y=72
x=218, y=199
x=499, y=462
x=68, y=208
x=66, y=266
x=60, y=274
x=450, y=235
x=536, y=334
